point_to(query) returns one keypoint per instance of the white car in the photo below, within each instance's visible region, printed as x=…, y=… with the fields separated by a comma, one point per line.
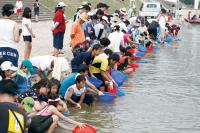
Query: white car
x=150, y=9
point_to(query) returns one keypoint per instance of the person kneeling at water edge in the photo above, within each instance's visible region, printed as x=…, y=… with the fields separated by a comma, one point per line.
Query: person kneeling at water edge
x=76, y=94
x=100, y=68
x=48, y=118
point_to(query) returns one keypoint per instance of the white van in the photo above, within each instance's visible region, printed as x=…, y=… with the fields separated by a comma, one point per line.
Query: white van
x=150, y=9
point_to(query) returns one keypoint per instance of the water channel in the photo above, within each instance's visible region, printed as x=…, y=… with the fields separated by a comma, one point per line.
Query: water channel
x=162, y=96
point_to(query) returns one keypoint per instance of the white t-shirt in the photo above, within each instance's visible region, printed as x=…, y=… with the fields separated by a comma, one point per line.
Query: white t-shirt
x=43, y=62
x=162, y=21
x=123, y=26
x=6, y=33
x=97, y=28
x=77, y=92
x=116, y=39
x=25, y=31
x=19, y=4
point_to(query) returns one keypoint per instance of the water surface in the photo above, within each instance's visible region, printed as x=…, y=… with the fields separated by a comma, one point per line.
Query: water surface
x=162, y=96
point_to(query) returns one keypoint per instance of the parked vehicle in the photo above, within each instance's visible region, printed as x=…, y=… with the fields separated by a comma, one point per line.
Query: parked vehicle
x=150, y=9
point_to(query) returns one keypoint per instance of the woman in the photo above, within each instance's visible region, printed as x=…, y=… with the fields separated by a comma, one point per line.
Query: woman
x=9, y=36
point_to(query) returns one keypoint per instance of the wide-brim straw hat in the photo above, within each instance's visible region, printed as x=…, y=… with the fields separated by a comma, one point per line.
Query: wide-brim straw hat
x=123, y=11
x=84, y=16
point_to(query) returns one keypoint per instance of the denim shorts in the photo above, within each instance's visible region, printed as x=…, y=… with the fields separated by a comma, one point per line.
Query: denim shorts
x=58, y=40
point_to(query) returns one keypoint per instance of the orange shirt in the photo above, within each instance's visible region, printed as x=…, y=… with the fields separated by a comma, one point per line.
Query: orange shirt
x=78, y=32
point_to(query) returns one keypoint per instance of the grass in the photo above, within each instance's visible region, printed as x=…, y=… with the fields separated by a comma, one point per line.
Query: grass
x=72, y=5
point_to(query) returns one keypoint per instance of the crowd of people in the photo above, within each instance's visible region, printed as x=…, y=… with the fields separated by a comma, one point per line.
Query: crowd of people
x=34, y=95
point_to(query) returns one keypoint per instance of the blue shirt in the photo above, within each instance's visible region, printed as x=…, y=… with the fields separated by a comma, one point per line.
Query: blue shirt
x=91, y=26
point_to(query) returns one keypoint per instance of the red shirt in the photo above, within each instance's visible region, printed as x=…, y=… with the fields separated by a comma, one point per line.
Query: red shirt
x=59, y=17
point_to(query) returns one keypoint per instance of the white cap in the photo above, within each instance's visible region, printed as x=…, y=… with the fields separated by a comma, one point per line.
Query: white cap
x=91, y=13
x=105, y=18
x=7, y=65
x=61, y=4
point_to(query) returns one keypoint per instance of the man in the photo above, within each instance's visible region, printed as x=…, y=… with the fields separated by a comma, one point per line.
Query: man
x=12, y=119
x=85, y=57
x=77, y=34
x=101, y=65
x=59, y=28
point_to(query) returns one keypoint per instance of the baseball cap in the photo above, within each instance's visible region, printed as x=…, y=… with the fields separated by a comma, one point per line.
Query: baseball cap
x=7, y=65
x=8, y=86
x=28, y=104
x=61, y=4
x=28, y=65
x=105, y=18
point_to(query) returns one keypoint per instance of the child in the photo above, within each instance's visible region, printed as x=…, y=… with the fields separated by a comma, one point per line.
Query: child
x=76, y=94
x=27, y=32
x=23, y=77
x=55, y=86
x=7, y=70
x=47, y=119
x=71, y=79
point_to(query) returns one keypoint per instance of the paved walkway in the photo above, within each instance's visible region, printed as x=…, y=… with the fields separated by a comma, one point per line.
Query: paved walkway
x=43, y=43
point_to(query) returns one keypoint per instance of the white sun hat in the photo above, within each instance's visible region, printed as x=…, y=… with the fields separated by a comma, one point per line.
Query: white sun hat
x=105, y=18
x=7, y=65
x=61, y=4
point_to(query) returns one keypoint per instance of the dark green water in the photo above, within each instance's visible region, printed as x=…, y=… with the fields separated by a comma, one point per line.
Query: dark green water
x=162, y=96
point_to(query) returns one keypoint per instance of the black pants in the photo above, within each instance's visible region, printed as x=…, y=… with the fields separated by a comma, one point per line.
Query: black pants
x=40, y=124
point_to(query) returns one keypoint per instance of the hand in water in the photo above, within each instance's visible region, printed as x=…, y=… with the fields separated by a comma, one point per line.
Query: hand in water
x=81, y=125
x=100, y=93
x=78, y=106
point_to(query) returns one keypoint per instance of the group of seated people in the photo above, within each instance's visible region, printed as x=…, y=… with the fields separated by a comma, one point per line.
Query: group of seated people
x=192, y=19
x=39, y=90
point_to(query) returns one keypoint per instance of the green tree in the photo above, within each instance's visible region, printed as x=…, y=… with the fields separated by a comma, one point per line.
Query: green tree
x=187, y=1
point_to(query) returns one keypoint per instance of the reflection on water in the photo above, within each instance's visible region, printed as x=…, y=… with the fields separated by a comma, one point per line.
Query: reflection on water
x=162, y=96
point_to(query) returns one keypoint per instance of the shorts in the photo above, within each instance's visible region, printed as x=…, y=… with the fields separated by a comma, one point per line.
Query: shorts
x=9, y=54
x=36, y=12
x=40, y=124
x=88, y=99
x=27, y=38
x=19, y=10
x=58, y=40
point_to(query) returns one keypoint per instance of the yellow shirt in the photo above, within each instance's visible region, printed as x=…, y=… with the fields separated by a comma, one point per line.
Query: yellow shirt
x=99, y=64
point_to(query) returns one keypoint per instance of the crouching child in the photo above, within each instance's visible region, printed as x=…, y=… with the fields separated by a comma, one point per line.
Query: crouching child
x=76, y=94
